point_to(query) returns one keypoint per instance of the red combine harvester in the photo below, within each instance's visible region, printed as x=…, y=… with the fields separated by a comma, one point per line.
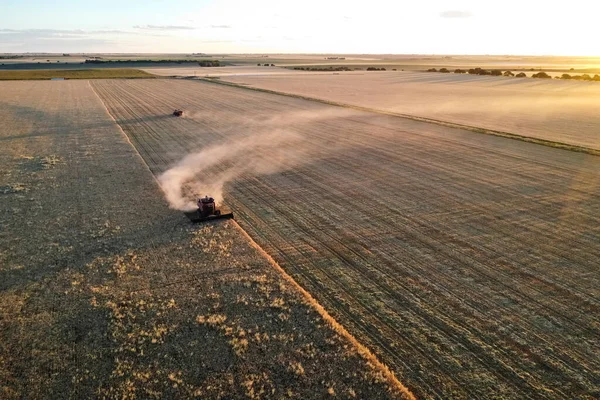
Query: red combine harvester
x=207, y=211
x=178, y=113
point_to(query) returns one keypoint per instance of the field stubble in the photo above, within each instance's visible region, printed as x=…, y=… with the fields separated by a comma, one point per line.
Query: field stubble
x=467, y=262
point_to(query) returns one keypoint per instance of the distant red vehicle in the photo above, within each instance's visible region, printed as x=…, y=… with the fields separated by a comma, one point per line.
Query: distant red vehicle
x=178, y=113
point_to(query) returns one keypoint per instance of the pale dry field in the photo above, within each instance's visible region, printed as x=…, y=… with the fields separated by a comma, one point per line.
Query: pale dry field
x=105, y=292
x=220, y=71
x=562, y=111
x=467, y=262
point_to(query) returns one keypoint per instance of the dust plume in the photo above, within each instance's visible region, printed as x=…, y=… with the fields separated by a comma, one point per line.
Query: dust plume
x=260, y=145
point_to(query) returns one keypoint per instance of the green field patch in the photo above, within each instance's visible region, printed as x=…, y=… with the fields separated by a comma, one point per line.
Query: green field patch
x=108, y=73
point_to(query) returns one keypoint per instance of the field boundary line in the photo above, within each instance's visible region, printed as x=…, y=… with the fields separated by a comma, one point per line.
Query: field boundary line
x=337, y=327
x=486, y=131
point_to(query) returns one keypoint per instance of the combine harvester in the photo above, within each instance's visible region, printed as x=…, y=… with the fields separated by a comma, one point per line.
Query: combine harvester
x=178, y=113
x=207, y=211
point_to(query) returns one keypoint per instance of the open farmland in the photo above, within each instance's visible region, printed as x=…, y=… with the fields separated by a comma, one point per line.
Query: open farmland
x=467, y=262
x=105, y=292
x=559, y=111
x=74, y=74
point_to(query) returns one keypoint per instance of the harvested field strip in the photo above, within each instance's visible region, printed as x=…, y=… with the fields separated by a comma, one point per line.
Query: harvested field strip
x=365, y=352
x=466, y=262
x=509, y=135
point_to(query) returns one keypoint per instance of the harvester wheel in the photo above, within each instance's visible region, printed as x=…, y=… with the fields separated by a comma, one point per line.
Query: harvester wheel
x=218, y=212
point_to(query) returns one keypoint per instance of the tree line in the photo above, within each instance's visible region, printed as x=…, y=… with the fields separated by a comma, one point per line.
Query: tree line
x=497, y=72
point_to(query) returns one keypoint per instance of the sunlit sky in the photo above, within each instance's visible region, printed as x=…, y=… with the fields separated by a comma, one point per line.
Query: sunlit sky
x=307, y=26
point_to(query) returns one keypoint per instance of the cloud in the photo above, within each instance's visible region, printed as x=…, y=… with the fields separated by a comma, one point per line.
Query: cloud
x=221, y=26
x=455, y=14
x=47, y=33
x=59, y=40
x=164, y=27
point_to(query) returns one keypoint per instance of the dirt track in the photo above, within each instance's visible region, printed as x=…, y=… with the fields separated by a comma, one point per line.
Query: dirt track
x=468, y=262
x=107, y=293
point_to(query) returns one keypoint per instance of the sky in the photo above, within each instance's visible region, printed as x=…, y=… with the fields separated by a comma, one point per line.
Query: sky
x=515, y=27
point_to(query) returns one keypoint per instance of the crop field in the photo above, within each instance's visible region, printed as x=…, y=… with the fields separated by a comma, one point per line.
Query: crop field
x=468, y=263
x=553, y=110
x=220, y=71
x=74, y=74
x=105, y=292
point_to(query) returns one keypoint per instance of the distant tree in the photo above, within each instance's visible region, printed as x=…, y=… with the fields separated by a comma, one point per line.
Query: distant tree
x=258, y=65
x=459, y=71
x=572, y=69
x=597, y=78
x=521, y=75
x=209, y=63
x=565, y=76
x=496, y=72
x=444, y=70
x=272, y=65
x=478, y=71
x=509, y=73
x=394, y=69
x=541, y=75
x=432, y=70
x=586, y=77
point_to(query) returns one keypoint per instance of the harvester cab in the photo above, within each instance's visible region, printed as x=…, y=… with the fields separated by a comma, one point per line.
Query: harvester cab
x=207, y=211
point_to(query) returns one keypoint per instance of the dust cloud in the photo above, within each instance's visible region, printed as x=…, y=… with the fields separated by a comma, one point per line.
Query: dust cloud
x=261, y=145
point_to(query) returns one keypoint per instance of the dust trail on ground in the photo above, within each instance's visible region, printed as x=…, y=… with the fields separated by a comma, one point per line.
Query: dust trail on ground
x=265, y=145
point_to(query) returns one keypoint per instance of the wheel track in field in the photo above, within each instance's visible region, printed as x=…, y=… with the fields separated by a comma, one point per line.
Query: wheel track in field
x=341, y=308
x=454, y=252
x=554, y=284
x=297, y=224
x=483, y=272
x=374, y=280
